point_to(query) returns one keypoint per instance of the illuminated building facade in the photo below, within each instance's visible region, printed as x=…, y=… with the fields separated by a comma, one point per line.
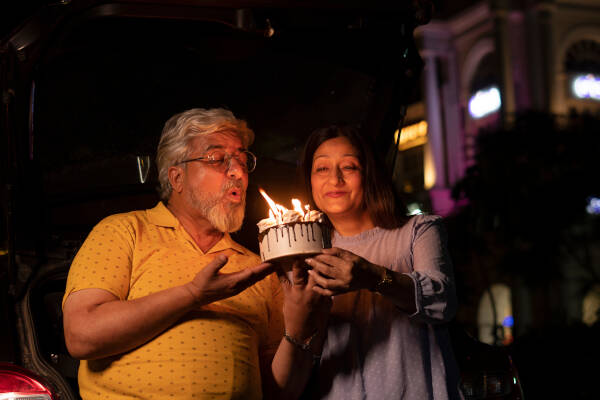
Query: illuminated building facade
x=486, y=62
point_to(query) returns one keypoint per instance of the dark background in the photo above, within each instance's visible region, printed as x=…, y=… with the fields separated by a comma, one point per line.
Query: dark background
x=105, y=86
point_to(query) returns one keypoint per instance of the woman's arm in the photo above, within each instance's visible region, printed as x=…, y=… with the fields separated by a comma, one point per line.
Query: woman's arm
x=427, y=291
x=339, y=271
x=305, y=314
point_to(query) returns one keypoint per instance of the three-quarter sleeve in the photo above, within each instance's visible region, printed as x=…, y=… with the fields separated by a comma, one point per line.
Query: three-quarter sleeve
x=435, y=292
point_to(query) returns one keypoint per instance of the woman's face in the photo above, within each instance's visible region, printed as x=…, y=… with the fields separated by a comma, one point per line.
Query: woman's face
x=336, y=179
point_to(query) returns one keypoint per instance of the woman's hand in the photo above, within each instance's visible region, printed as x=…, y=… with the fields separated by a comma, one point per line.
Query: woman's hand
x=305, y=311
x=337, y=271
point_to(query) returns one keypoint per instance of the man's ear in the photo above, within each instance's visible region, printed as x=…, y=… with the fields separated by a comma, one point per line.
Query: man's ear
x=176, y=175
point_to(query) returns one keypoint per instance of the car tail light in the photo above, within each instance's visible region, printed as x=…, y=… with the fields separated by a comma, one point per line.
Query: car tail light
x=18, y=383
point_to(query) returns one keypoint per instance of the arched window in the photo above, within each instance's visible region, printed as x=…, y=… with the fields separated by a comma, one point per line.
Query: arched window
x=582, y=65
x=484, y=88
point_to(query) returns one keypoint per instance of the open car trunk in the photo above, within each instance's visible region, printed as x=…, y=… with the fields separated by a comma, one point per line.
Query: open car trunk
x=87, y=86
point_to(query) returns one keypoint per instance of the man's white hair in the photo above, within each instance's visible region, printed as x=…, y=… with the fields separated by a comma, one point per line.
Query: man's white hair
x=181, y=128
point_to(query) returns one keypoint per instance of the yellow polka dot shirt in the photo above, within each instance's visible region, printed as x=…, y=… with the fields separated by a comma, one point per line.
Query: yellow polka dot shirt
x=213, y=353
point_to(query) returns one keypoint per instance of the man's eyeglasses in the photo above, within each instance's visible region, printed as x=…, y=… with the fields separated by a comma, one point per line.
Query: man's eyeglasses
x=222, y=160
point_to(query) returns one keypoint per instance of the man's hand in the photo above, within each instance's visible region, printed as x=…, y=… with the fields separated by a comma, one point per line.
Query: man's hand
x=210, y=284
x=98, y=324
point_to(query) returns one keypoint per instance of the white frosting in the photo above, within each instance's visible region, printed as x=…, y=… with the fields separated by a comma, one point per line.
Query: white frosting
x=292, y=239
x=289, y=216
x=312, y=215
x=265, y=224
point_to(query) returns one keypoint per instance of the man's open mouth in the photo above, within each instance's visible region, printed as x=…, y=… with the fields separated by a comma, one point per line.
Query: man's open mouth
x=235, y=195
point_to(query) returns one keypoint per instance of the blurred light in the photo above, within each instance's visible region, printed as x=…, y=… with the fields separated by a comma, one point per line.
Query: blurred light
x=593, y=206
x=508, y=321
x=414, y=209
x=428, y=168
x=484, y=102
x=17, y=383
x=586, y=86
x=411, y=135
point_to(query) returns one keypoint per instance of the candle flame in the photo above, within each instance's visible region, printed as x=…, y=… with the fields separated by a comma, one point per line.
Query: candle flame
x=274, y=209
x=277, y=211
x=297, y=206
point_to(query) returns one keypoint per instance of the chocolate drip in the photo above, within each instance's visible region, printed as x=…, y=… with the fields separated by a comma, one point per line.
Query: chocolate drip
x=310, y=234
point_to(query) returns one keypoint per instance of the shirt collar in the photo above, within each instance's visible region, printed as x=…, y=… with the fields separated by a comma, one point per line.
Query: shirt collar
x=161, y=216
x=226, y=243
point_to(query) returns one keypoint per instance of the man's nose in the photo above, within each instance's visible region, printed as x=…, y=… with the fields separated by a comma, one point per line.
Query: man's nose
x=235, y=168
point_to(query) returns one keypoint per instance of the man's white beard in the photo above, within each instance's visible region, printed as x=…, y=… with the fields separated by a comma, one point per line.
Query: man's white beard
x=223, y=215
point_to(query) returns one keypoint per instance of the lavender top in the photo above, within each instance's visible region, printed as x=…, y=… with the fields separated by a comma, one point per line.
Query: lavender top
x=373, y=349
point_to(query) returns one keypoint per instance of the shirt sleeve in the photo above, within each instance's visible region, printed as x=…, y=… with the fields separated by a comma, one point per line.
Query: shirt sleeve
x=435, y=292
x=104, y=259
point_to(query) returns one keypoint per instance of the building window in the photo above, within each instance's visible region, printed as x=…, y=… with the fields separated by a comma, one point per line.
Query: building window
x=582, y=65
x=586, y=86
x=583, y=56
x=409, y=169
x=485, y=102
x=484, y=91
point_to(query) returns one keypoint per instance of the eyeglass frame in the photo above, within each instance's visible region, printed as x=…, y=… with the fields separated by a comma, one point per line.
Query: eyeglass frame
x=226, y=160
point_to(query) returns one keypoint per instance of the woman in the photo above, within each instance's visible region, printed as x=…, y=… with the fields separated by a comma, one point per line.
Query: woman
x=390, y=275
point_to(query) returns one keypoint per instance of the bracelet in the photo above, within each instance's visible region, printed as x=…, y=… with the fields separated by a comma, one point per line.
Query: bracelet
x=385, y=281
x=316, y=358
x=302, y=346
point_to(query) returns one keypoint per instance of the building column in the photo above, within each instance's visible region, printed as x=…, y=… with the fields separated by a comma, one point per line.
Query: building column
x=453, y=117
x=439, y=194
x=503, y=45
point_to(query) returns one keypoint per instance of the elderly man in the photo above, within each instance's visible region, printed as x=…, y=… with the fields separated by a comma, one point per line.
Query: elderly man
x=162, y=303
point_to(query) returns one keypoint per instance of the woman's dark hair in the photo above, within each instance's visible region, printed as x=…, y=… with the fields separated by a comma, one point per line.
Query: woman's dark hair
x=382, y=202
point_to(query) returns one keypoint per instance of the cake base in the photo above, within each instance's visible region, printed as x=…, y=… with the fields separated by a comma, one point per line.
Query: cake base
x=291, y=240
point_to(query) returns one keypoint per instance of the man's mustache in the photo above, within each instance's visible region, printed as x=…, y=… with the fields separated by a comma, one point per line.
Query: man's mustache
x=234, y=184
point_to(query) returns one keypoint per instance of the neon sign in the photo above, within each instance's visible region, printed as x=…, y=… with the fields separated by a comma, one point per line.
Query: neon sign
x=484, y=102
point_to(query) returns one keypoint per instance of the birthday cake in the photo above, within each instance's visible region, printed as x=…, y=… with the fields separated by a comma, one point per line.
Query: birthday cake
x=288, y=233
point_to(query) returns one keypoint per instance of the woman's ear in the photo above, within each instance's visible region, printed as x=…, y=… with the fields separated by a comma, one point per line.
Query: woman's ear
x=176, y=175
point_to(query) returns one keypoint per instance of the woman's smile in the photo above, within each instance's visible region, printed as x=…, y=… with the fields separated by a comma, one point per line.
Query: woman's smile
x=336, y=179
x=336, y=194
